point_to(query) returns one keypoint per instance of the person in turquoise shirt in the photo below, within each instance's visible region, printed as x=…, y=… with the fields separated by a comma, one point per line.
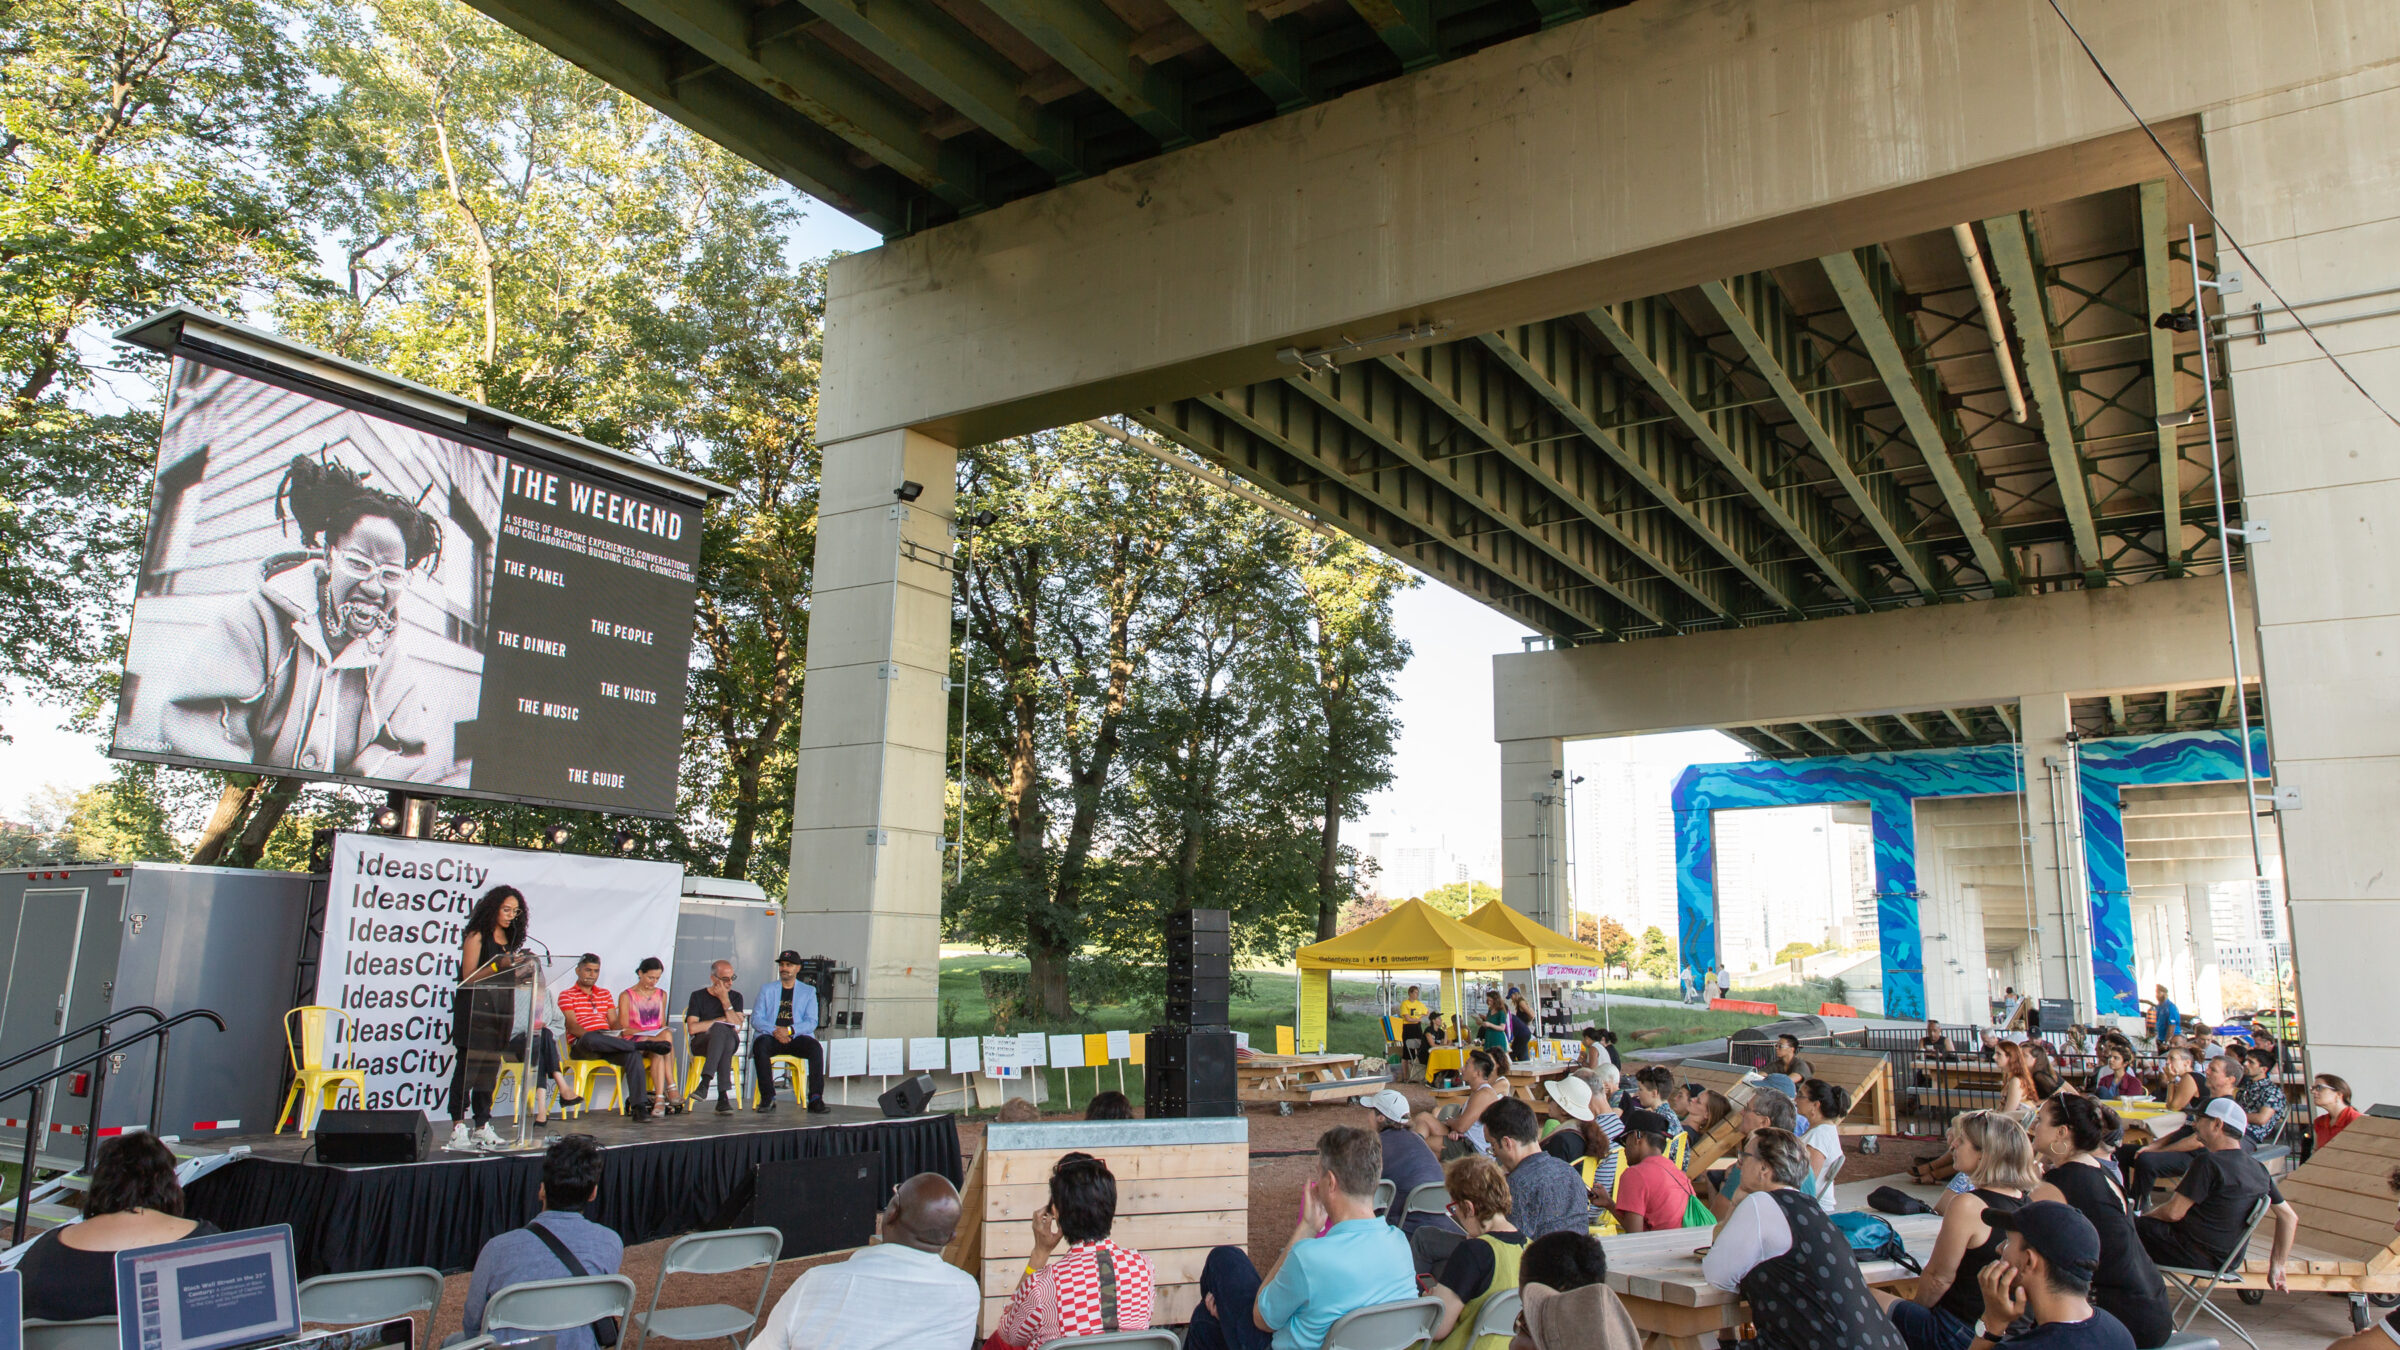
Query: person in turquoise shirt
x=2170, y=1018
x=1341, y=1258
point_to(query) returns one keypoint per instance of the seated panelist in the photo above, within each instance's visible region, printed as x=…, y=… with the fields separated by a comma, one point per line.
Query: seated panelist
x=784, y=1018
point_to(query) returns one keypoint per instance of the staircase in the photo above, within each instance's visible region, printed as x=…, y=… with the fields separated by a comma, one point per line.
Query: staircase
x=59, y=1200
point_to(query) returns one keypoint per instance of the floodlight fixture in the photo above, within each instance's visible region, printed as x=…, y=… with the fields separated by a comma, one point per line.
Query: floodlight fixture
x=909, y=491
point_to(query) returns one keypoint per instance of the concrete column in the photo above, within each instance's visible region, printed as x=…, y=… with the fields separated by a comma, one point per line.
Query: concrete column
x=1533, y=835
x=867, y=816
x=2207, y=994
x=2062, y=924
x=2309, y=181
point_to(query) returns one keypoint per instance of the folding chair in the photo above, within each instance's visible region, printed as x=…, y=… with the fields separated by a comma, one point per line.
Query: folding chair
x=1431, y=1198
x=1156, y=1338
x=364, y=1296
x=1498, y=1316
x=92, y=1333
x=558, y=1305
x=1386, y=1191
x=718, y=1253
x=1386, y=1326
x=2197, y=1285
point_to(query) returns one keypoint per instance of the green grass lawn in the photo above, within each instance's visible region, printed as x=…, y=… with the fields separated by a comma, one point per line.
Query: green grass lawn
x=964, y=1012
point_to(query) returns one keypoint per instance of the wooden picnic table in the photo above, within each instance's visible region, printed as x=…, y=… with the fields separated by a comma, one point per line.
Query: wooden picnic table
x=1657, y=1277
x=1295, y=1080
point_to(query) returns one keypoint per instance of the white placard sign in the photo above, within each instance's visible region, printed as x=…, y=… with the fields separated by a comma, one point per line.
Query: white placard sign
x=927, y=1054
x=887, y=1056
x=845, y=1058
x=1120, y=1045
x=1033, y=1048
x=1241, y=1040
x=1000, y=1051
x=396, y=911
x=1066, y=1052
x=966, y=1054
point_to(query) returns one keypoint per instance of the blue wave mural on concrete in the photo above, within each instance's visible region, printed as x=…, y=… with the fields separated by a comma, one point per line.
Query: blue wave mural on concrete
x=1890, y=784
x=2105, y=768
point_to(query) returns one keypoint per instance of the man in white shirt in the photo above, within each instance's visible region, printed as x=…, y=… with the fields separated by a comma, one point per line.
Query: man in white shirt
x=898, y=1293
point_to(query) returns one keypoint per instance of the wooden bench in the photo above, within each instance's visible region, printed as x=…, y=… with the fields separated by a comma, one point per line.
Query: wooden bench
x=2344, y=1195
x=1866, y=1073
x=1183, y=1187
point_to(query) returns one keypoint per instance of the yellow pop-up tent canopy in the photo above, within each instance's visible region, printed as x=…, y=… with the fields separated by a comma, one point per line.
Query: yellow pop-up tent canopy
x=1414, y=936
x=1550, y=947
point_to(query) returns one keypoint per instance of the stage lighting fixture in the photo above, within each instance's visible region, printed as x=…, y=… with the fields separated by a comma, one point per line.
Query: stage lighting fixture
x=465, y=828
x=983, y=520
x=557, y=835
x=626, y=842
x=387, y=820
x=909, y=491
x=2178, y=321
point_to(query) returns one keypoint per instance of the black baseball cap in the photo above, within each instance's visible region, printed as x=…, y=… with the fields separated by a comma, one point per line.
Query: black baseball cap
x=1647, y=1122
x=787, y=957
x=2059, y=1232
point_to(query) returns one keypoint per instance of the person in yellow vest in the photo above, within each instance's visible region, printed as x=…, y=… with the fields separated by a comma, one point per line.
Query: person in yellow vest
x=1484, y=1264
x=1412, y=1013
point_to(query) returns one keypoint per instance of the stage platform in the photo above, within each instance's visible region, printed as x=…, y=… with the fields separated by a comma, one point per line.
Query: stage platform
x=661, y=1178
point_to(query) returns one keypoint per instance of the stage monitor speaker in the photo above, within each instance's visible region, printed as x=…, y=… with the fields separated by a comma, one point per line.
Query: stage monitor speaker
x=821, y=1204
x=373, y=1138
x=907, y=1097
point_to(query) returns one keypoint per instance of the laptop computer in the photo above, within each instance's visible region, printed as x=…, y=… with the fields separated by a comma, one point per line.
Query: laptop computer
x=12, y=1310
x=217, y=1292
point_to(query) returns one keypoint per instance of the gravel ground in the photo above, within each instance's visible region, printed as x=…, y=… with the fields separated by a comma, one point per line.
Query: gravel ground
x=1282, y=1153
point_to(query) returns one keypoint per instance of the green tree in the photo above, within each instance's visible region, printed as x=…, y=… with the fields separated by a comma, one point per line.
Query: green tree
x=1352, y=653
x=1615, y=944
x=147, y=155
x=1657, y=956
x=1461, y=898
x=1793, y=951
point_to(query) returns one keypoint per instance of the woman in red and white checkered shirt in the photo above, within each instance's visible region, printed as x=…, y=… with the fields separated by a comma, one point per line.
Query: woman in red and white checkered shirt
x=1093, y=1286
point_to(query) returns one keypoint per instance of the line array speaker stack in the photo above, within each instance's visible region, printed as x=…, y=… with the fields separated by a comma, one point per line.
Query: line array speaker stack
x=1189, y=1068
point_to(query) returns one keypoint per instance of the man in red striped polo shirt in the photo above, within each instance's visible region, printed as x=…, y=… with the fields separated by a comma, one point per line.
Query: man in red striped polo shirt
x=592, y=1021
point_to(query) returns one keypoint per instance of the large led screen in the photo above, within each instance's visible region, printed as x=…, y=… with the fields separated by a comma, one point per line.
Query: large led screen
x=331, y=594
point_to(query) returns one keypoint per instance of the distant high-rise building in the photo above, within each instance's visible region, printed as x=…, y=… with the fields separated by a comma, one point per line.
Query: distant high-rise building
x=1409, y=863
x=1624, y=861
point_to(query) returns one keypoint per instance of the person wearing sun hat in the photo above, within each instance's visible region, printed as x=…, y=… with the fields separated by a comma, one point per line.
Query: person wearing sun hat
x=1407, y=1162
x=2048, y=1255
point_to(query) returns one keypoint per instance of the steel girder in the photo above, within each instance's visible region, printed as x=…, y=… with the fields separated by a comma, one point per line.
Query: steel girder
x=1870, y=293
x=1094, y=45
x=1255, y=46
x=1762, y=321
x=2165, y=399
x=948, y=62
x=1293, y=446
x=1589, y=396
x=1406, y=26
x=1663, y=351
x=2014, y=254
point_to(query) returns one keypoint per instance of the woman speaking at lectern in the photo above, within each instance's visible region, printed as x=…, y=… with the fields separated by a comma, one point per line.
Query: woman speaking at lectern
x=495, y=940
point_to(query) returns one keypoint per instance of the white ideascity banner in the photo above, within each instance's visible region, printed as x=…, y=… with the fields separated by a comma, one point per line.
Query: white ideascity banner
x=395, y=914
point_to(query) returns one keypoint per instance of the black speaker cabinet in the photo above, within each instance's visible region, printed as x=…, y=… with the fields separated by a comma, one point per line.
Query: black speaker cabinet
x=373, y=1138
x=1189, y=1073
x=907, y=1097
x=1183, y=923
x=821, y=1204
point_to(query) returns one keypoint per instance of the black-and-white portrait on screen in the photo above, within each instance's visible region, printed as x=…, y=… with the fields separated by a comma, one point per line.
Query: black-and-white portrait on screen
x=315, y=590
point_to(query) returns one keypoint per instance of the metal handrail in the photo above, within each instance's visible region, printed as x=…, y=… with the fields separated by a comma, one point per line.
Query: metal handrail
x=99, y=1084
x=33, y=1117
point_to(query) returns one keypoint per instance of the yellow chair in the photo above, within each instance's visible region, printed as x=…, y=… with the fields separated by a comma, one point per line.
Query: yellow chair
x=324, y=1055
x=1283, y=1041
x=1589, y=1166
x=795, y=1072
x=586, y=1074
x=694, y=1065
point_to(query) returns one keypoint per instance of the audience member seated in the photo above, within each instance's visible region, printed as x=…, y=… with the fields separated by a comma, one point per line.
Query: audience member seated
x=2384, y=1335
x=1935, y=1042
x=1608, y=1047
x=1704, y=1109
x=1340, y=1258
x=558, y=1244
x=1653, y=1192
x=2260, y=1095
x=1487, y=1083
x=2330, y=1094
x=133, y=1201
x=2046, y=1077
x=1548, y=1195
x=1788, y=1061
x=1767, y=1110
x=2169, y=1157
x=2180, y=1086
x=1591, y=1129
x=1992, y=1149
x=1097, y=1286
x=2070, y=1139
x=1653, y=1090
x=783, y=1021
x=896, y=1295
x=1485, y=1262
x=593, y=1019
x=2017, y=1090
x=1019, y=1111
x=2198, y=1226
x=2115, y=1078
x=1591, y=1052
x=1407, y=1162
x=1109, y=1105
x=2042, y=1283
x=1779, y=1251
x=1821, y=1106
x=1568, y=1304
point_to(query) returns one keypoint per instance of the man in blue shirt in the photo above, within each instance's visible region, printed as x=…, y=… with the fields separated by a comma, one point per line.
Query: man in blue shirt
x=2170, y=1018
x=785, y=1017
x=570, y=1180
x=1341, y=1258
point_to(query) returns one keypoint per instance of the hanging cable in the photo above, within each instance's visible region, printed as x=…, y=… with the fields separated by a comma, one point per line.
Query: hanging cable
x=2215, y=223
